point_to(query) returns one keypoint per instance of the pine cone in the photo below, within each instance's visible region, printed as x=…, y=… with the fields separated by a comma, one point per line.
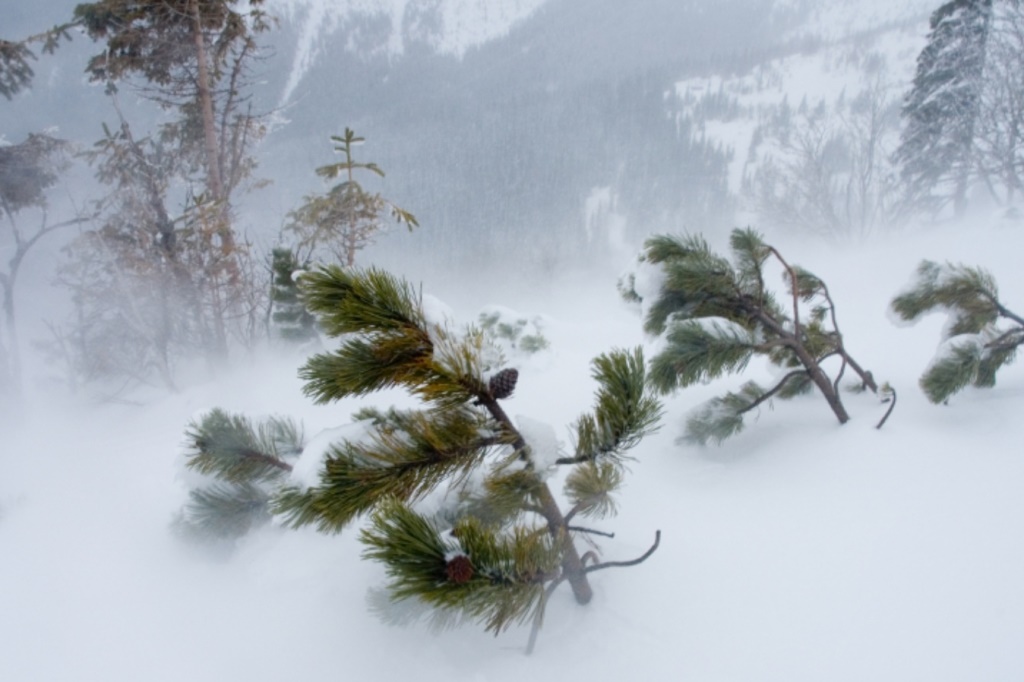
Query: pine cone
x=503, y=383
x=459, y=569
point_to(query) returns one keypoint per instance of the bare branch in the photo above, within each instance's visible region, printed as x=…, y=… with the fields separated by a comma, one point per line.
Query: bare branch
x=623, y=564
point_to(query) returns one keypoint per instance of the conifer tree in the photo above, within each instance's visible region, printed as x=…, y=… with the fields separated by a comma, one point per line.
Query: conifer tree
x=715, y=317
x=291, y=319
x=974, y=346
x=348, y=217
x=501, y=546
x=942, y=107
x=16, y=71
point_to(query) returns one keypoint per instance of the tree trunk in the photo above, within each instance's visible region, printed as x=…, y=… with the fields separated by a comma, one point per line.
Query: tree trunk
x=214, y=181
x=572, y=564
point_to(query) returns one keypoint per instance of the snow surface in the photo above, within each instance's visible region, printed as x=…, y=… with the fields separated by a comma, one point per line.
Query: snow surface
x=799, y=550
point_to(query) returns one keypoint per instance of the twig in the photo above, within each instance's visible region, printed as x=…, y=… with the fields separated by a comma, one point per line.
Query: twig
x=622, y=564
x=581, y=529
x=892, y=406
x=778, y=387
x=538, y=620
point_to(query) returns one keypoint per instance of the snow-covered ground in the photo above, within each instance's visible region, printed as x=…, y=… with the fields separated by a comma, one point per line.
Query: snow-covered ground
x=799, y=550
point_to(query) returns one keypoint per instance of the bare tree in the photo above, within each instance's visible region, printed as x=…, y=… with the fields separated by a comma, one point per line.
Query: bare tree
x=27, y=171
x=828, y=171
x=999, y=138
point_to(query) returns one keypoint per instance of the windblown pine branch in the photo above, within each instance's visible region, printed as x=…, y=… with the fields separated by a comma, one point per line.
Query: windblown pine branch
x=495, y=553
x=246, y=464
x=974, y=346
x=716, y=315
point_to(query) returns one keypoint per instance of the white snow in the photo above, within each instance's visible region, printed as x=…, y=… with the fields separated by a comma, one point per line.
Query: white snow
x=462, y=24
x=542, y=438
x=306, y=470
x=799, y=551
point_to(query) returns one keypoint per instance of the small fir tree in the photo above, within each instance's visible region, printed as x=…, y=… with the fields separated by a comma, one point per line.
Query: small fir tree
x=716, y=316
x=974, y=346
x=348, y=217
x=293, y=322
x=503, y=543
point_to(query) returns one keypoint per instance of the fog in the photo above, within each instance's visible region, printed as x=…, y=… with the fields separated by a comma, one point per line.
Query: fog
x=538, y=146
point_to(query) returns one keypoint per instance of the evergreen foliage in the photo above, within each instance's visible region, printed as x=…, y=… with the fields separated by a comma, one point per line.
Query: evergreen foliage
x=495, y=563
x=291, y=319
x=347, y=218
x=715, y=316
x=499, y=547
x=519, y=334
x=974, y=346
x=941, y=110
x=15, y=70
x=245, y=463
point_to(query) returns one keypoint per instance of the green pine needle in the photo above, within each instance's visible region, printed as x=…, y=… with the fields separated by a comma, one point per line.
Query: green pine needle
x=699, y=351
x=625, y=412
x=721, y=418
x=408, y=455
x=589, y=488
x=969, y=295
x=225, y=511
x=232, y=449
x=505, y=585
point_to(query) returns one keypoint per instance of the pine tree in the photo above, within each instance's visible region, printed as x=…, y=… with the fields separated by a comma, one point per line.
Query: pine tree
x=941, y=110
x=346, y=219
x=974, y=345
x=291, y=319
x=500, y=547
x=715, y=317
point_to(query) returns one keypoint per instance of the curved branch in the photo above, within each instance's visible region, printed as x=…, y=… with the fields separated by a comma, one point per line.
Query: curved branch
x=778, y=387
x=892, y=406
x=622, y=564
x=592, y=531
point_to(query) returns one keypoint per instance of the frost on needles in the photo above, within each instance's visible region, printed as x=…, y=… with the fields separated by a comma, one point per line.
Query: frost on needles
x=974, y=346
x=502, y=542
x=715, y=315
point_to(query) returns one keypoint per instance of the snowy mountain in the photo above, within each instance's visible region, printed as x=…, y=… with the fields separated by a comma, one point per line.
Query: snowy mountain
x=373, y=27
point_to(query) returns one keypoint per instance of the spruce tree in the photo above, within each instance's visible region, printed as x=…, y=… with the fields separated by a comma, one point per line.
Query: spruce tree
x=974, y=346
x=293, y=322
x=715, y=317
x=941, y=109
x=503, y=541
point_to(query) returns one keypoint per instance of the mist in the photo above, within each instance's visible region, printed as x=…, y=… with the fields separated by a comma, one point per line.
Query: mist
x=539, y=144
